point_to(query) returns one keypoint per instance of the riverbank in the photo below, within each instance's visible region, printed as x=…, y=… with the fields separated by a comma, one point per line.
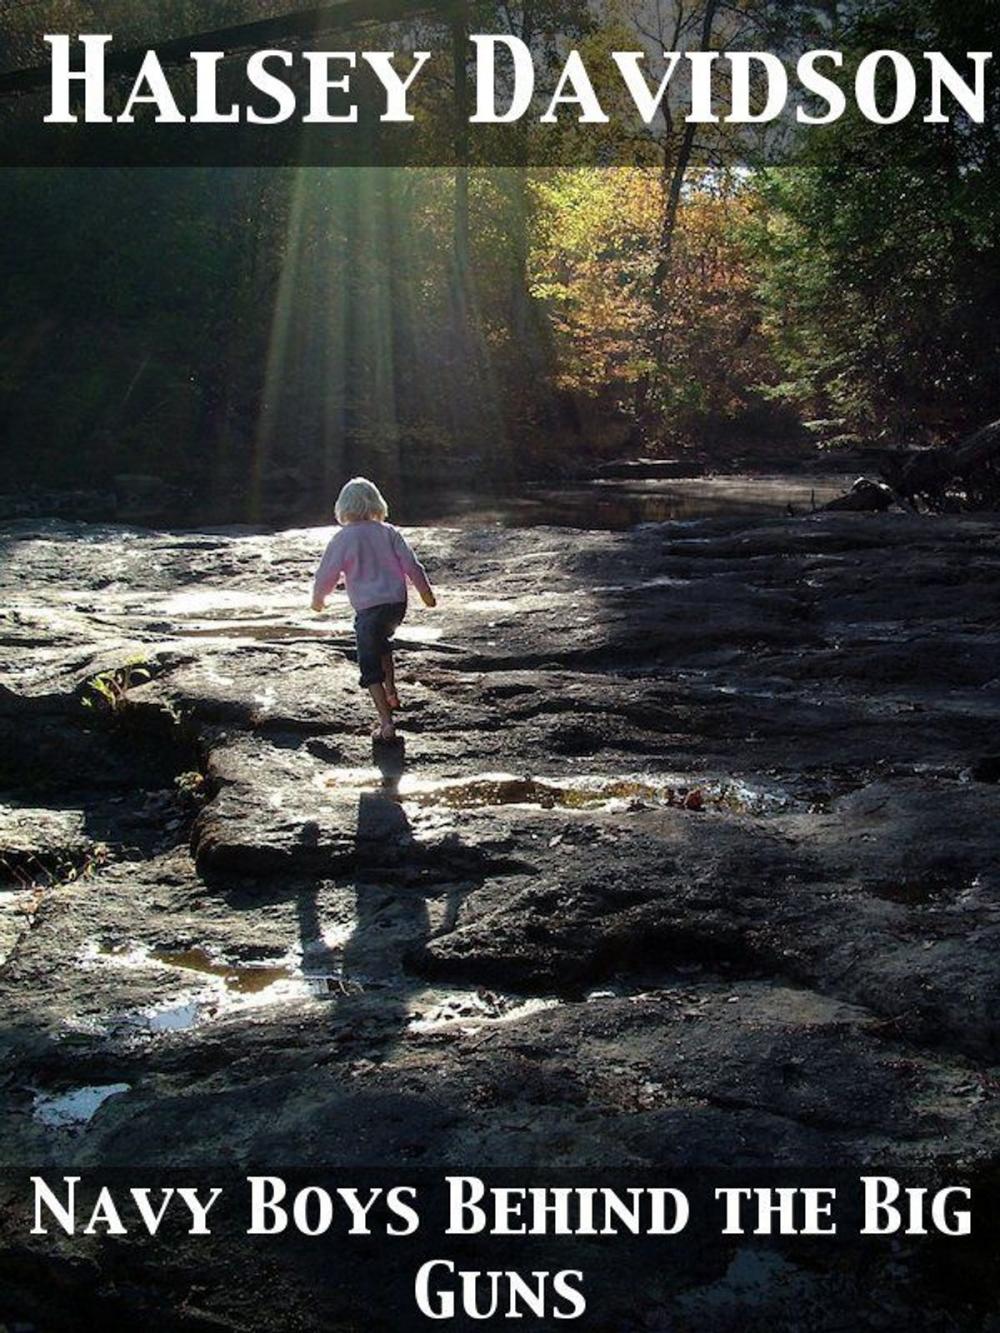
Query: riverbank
x=573, y=489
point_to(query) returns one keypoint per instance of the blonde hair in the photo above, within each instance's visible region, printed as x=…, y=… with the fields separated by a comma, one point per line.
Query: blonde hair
x=359, y=500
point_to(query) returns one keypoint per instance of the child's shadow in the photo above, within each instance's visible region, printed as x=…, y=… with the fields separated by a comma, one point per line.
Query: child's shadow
x=367, y=975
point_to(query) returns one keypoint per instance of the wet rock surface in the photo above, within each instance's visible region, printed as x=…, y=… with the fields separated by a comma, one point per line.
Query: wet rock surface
x=690, y=859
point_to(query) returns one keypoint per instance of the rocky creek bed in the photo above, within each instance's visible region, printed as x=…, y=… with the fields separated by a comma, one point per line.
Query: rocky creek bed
x=692, y=860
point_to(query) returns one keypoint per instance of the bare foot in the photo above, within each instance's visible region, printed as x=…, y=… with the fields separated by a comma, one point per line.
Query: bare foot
x=384, y=731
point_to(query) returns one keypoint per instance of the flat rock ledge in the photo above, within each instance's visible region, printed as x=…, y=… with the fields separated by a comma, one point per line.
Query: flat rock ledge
x=690, y=860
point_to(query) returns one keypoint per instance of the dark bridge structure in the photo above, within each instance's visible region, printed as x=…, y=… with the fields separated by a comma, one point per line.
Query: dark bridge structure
x=299, y=25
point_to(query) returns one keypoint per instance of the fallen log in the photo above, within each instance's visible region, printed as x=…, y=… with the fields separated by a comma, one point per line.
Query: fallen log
x=967, y=474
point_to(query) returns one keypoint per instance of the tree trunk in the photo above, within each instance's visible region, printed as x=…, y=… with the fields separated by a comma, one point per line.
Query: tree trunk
x=674, y=180
x=673, y=184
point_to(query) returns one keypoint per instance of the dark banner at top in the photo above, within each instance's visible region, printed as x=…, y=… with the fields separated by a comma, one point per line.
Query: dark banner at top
x=399, y=82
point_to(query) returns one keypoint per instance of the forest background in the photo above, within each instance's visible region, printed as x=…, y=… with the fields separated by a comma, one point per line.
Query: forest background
x=256, y=334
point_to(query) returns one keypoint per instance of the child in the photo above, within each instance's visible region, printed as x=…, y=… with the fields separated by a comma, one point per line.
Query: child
x=375, y=561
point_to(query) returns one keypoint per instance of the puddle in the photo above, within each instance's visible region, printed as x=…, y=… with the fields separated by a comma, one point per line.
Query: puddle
x=75, y=1108
x=588, y=792
x=177, y=1016
x=231, y=988
x=223, y=987
x=240, y=979
x=190, y=1011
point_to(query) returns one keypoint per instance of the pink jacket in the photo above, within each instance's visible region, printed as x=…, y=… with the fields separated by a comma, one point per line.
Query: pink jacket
x=375, y=560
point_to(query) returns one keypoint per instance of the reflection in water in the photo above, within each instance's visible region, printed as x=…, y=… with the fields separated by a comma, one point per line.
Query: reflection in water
x=586, y=791
x=74, y=1108
x=177, y=1016
x=619, y=505
x=242, y=979
x=220, y=987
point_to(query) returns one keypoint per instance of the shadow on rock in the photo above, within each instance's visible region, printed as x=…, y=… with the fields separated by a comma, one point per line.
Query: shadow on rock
x=365, y=973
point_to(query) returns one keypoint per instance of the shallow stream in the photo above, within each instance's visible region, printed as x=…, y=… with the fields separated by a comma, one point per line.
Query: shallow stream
x=616, y=505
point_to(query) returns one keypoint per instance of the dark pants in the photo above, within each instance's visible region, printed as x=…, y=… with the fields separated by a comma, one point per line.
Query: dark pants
x=374, y=628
